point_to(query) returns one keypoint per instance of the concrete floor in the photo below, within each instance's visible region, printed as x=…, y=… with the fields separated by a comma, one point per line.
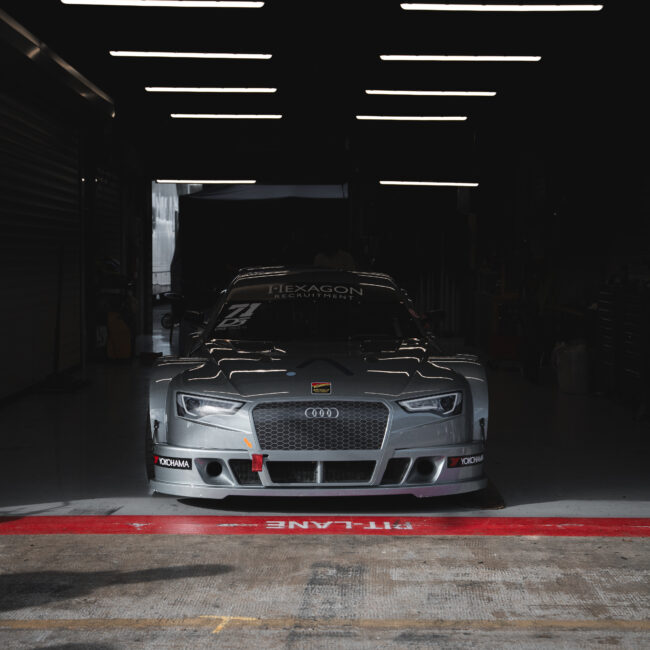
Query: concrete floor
x=345, y=592
x=549, y=454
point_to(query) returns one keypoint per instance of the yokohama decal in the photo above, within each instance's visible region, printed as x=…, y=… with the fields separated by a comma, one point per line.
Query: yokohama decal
x=324, y=525
x=173, y=463
x=464, y=461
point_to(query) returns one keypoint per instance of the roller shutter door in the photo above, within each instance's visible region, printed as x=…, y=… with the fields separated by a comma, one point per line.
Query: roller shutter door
x=40, y=245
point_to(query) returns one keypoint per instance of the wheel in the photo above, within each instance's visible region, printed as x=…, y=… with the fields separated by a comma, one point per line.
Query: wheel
x=148, y=450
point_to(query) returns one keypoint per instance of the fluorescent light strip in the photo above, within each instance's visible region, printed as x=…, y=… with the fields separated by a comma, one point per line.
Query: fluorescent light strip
x=204, y=182
x=454, y=57
x=188, y=55
x=415, y=118
x=436, y=6
x=429, y=183
x=224, y=116
x=201, y=4
x=435, y=93
x=174, y=89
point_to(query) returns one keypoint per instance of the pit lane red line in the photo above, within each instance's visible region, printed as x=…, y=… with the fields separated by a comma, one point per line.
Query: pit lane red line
x=323, y=525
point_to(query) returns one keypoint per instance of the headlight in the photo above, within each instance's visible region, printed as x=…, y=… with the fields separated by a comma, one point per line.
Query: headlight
x=447, y=404
x=197, y=408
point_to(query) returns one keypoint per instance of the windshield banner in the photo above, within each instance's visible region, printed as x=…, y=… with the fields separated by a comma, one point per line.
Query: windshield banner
x=327, y=291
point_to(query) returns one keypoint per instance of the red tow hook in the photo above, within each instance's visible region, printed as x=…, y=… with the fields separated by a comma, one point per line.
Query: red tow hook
x=257, y=462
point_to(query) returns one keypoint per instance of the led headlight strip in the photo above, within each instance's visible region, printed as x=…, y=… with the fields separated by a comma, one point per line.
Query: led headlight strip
x=198, y=407
x=443, y=405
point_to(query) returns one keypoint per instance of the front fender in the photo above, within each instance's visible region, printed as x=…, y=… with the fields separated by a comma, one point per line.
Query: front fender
x=473, y=370
x=163, y=371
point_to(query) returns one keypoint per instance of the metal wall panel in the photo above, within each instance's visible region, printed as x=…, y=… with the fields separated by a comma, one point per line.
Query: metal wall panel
x=108, y=215
x=40, y=240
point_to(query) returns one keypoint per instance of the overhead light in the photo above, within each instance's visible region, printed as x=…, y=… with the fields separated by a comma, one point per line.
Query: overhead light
x=435, y=93
x=415, y=118
x=175, y=89
x=437, y=6
x=429, y=183
x=189, y=55
x=224, y=116
x=202, y=4
x=454, y=57
x=203, y=182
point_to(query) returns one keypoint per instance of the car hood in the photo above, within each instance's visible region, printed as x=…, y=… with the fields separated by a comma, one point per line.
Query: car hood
x=260, y=370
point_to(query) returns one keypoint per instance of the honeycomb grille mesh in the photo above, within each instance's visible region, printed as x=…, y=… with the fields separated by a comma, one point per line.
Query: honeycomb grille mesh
x=285, y=425
x=243, y=472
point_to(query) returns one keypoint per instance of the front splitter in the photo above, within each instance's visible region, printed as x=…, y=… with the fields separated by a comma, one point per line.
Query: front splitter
x=210, y=492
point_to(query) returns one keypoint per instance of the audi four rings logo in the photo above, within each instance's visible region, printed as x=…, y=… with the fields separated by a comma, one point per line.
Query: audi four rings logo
x=330, y=413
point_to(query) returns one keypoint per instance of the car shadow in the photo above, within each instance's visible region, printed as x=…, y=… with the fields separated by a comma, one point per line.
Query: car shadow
x=37, y=588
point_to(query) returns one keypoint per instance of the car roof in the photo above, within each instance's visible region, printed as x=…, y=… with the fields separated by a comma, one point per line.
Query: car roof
x=309, y=276
x=307, y=273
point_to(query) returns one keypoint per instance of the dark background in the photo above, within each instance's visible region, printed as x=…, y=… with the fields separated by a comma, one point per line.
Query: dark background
x=553, y=245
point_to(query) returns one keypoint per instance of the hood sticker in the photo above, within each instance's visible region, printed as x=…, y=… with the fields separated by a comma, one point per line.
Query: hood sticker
x=238, y=315
x=321, y=387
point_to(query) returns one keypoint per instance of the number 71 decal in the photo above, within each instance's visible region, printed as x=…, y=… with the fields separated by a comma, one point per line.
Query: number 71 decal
x=238, y=315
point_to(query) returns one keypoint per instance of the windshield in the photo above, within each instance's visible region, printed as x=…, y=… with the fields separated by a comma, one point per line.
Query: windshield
x=315, y=319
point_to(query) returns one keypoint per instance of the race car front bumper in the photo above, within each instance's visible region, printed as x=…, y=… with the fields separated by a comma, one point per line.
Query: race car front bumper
x=422, y=472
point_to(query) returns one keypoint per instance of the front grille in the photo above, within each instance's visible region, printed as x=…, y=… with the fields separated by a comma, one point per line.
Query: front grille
x=290, y=472
x=334, y=471
x=243, y=472
x=285, y=425
x=355, y=471
x=394, y=471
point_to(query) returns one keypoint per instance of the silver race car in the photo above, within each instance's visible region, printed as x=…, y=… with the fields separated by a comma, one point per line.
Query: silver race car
x=314, y=382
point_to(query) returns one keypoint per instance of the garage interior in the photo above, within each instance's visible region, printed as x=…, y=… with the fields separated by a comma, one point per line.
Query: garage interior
x=533, y=239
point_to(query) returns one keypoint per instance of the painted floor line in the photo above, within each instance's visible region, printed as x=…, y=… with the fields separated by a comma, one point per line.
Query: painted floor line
x=324, y=525
x=217, y=623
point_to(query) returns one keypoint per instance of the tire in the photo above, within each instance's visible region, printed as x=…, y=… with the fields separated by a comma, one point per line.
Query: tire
x=167, y=321
x=148, y=451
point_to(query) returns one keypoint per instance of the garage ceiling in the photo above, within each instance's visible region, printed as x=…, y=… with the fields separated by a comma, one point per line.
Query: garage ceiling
x=324, y=56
